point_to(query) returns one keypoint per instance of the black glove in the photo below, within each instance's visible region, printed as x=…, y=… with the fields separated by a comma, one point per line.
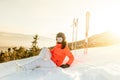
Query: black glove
x=65, y=65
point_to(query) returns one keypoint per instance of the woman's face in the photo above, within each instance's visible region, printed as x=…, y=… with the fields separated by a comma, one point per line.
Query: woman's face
x=59, y=39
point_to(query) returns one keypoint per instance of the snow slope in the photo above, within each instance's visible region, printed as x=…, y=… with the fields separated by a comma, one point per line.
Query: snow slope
x=101, y=63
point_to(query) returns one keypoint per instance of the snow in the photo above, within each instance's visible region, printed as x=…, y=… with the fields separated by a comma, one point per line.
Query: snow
x=101, y=63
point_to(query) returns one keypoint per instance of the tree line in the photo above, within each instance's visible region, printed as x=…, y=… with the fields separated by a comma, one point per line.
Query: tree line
x=20, y=52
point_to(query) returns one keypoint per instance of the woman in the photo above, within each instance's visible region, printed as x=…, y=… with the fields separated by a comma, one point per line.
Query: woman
x=52, y=58
x=60, y=51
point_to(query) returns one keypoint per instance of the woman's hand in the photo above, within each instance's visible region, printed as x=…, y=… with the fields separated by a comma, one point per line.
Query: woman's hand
x=65, y=65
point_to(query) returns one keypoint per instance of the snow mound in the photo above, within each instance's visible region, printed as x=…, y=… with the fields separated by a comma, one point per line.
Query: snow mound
x=101, y=63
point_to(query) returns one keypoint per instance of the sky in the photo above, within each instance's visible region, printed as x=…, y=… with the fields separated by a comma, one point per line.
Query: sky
x=48, y=17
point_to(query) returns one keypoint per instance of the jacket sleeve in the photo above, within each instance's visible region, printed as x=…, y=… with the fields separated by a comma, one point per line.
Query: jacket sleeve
x=70, y=56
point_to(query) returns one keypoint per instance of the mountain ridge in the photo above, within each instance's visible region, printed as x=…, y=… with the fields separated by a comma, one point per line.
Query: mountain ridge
x=102, y=39
x=15, y=40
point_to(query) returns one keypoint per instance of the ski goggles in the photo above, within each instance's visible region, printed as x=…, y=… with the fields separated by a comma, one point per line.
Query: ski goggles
x=59, y=39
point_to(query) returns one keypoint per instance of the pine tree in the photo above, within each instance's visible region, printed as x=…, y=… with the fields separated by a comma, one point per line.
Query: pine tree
x=34, y=43
x=35, y=49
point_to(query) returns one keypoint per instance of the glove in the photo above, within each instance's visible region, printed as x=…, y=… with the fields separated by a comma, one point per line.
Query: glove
x=65, y=65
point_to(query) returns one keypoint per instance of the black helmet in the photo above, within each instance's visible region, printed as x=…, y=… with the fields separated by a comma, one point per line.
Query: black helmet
x=60, y=34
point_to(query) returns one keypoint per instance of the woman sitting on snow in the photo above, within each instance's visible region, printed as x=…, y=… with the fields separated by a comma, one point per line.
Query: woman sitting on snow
x=54, y=57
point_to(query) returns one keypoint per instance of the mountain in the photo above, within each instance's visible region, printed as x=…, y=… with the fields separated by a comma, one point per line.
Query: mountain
x=103, y=39
x=97, y=40
x=14, y=40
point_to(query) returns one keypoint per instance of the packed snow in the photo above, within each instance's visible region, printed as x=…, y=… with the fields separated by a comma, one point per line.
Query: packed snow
x=101, y=63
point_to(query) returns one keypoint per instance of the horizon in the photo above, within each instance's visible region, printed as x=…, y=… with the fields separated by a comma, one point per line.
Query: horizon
x=54, y=37
x=24, y=40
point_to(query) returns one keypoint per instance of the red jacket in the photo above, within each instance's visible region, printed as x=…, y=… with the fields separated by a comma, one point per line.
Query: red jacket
x=58, y=55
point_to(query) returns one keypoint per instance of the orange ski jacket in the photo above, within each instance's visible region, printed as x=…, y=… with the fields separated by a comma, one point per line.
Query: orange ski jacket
x=58, y=55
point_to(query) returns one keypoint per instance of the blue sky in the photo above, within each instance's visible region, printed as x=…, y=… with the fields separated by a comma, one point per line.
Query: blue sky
x=47, y=17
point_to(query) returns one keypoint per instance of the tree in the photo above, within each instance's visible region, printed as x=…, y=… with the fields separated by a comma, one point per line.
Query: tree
x=34, y=43
x=35, y=49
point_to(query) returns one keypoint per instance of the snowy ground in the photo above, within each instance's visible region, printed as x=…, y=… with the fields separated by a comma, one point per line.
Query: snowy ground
x=102, y=63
